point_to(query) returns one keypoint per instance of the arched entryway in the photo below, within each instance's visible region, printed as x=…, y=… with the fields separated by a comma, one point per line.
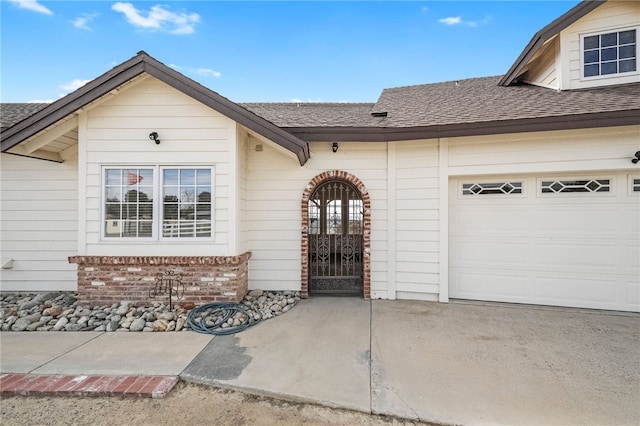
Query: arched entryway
x=336, y=228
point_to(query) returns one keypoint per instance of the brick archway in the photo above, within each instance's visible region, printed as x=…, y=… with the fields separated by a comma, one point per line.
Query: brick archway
x=366, y=204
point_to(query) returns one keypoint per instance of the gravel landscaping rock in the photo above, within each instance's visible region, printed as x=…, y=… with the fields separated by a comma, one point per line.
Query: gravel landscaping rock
x=58, y=311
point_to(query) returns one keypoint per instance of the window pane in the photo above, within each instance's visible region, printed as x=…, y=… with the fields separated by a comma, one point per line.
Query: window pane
x=628, y=65
x=591, y=42
x=610, y=54
x=186, y=203
x=627, y=52
x=627, y=37
x=187, y=177
x=128, y=203
x=204, y=177
x=591, y=70
x=113, y=177
x=610, y=39
x=609, y=68
x=170, y=177
x=591, y=56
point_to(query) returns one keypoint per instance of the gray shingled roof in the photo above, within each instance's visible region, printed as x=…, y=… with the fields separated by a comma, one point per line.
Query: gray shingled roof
x=465, y=102
x=315, y=114
x=479, y=100
x=10, y=113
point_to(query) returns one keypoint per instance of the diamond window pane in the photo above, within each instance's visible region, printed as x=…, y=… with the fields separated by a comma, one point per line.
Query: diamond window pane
x=492, y=188
x=581, y=186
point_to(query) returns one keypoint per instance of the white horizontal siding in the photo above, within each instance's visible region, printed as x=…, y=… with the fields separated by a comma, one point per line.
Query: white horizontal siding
x=38, y=223
x=536, y=152
x=611, y=16
x=275, y=184
x=191, y=134
x=417, y=225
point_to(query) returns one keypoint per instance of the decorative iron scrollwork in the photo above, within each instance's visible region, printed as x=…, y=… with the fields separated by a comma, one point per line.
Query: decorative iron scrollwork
x=168, y=283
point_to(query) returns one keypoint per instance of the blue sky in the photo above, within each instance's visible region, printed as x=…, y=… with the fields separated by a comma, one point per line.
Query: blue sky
x=327, y=51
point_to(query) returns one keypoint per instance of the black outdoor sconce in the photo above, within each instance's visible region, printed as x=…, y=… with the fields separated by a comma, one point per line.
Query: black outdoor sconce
x=637, y=158
x=154, y=137
x=334, y=147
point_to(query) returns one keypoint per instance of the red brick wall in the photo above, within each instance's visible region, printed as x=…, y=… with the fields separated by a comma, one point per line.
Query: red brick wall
x=104, y=280
x=366, y=202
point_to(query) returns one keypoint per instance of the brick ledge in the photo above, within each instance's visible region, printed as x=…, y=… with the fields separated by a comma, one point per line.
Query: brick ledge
x=161, y=260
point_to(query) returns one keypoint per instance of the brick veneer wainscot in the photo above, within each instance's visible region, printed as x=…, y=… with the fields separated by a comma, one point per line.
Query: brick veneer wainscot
x=104, y=280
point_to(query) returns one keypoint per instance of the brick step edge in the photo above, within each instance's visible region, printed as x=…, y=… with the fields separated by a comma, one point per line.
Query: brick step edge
x=86, y=385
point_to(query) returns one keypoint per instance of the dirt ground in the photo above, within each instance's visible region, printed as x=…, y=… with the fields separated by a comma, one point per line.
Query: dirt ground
x=187, y=404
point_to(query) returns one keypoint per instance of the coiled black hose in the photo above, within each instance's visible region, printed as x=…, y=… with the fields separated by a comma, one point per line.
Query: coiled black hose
x=222, y=312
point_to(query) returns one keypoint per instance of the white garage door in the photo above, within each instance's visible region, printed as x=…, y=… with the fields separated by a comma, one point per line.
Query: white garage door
x=547, y=240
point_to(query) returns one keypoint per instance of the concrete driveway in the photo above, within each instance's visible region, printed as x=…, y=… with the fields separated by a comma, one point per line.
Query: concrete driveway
x=446, y=363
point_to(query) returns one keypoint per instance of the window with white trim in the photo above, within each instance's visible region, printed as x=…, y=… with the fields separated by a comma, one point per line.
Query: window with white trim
x=155, y=203
x=609, y=53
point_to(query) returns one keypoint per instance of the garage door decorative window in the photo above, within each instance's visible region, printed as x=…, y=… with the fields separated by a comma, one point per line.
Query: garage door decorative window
x=587, y=185
x=492, y=188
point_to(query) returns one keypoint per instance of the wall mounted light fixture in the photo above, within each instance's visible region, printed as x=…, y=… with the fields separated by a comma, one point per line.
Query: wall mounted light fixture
x=637, y=158
x=154, y=137
x=334, y=147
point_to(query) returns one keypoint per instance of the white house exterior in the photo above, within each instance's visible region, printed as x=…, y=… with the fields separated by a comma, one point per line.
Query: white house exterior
x=515, y=189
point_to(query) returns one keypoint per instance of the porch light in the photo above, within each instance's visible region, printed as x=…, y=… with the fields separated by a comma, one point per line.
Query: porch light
x=633, y=160
x=154, y=137
x=334, y=147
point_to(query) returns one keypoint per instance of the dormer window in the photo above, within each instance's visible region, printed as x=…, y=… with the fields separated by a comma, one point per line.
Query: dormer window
x=610, y=53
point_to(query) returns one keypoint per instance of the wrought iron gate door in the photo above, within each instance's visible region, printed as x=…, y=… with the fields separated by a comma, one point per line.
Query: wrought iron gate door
x=335, y=240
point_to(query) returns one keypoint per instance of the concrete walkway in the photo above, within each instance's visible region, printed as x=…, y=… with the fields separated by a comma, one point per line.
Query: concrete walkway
x=444, y=363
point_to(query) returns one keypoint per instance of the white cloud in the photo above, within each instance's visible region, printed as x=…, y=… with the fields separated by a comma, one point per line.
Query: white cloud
x=452, y=20
x=32, y=5
x=73, y=85
x=424, y=9
x=40, y=101
x=207, y=72
x=83, y=21
x=457, y=20
x=158, y=18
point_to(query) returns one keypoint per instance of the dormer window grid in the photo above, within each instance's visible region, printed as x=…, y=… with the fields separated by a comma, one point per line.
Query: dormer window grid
x=610, y=53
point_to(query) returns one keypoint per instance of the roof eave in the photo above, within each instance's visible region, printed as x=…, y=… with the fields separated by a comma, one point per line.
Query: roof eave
x=549, y=31
x=71, y=103
x=143, y=63
x=526, y=125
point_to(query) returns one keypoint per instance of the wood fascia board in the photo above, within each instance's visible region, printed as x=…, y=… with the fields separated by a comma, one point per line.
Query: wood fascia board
x=387, y=134
x=50, y=135
x=38, y=154
x=230, y=109
x=549, y=31
x=71, y=103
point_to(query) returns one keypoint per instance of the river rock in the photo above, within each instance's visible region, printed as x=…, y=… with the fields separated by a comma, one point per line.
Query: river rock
x=138, y=324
